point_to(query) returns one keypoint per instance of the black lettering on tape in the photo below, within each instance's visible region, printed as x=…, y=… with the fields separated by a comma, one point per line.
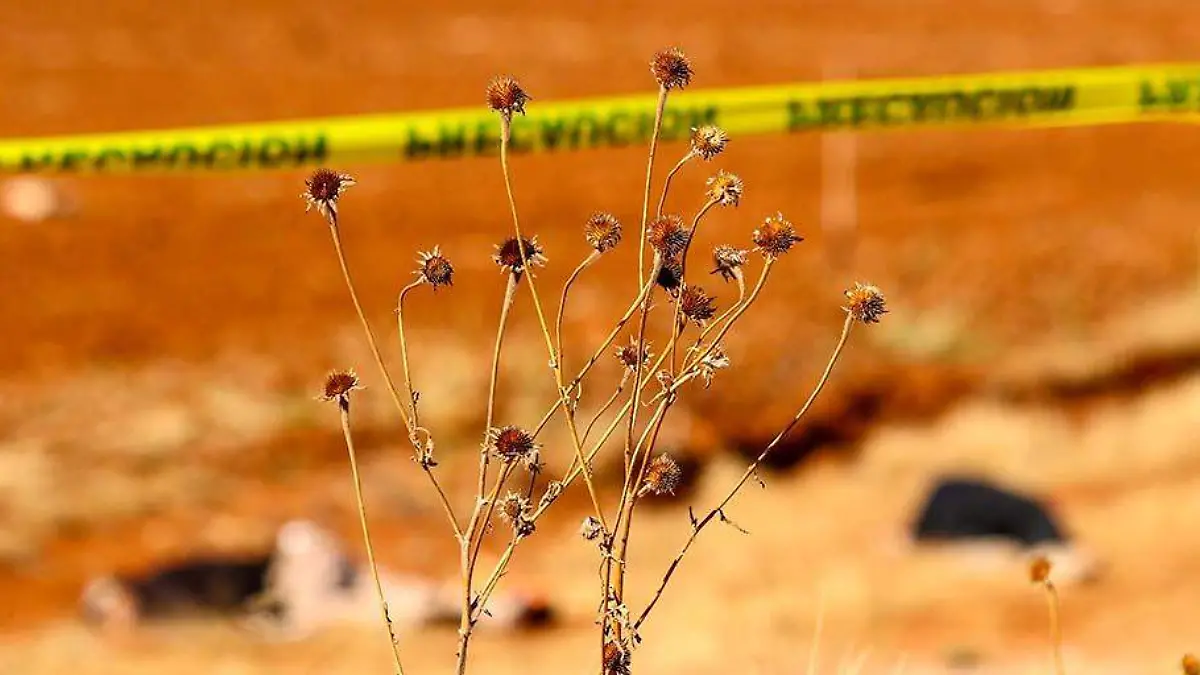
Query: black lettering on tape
x=106, y=155
x=522, y=135
x=1174, y=94
x=929, y=107
x=621, y=129
x=273, y=152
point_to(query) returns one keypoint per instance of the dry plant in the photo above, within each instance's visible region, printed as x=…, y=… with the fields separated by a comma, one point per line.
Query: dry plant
x=1039, y=573
x=691, y=355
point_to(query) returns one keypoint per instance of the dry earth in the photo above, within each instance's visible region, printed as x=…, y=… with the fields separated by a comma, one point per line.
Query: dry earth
x=161, y=346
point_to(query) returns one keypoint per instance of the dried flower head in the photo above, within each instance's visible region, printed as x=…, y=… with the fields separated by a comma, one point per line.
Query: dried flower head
x=728, y=261
x=505, y=96
x=670, y=275
x=514, y=509
x=434, y=269
x=627, y=355
x=616, y=659
x=512, y=443
x=696, y=305
x=708, y=141
x=667, y=235
x=671, y=69
x=865, y=303
x=591, y=529
x=602, y=231
x=338, y=386
x=1190, y=664
x=725, y=188
x=710, y=364
x=663, y=476
x=508, y=255
x=323, y=189
x=1039, y=570
x=775, y=236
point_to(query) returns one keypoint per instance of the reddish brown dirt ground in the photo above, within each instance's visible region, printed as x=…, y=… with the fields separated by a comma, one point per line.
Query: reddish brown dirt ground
x=987, y=243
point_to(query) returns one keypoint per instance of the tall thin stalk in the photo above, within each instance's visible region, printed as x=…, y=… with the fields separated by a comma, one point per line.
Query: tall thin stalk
x=750, y=471
x=344, y=408
x=335, y=232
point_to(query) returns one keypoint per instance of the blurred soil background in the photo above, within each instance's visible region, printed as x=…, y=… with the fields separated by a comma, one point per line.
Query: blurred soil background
x=162, y=348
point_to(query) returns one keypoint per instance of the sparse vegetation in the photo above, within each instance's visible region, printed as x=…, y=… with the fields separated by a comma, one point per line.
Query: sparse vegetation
x=509, y=455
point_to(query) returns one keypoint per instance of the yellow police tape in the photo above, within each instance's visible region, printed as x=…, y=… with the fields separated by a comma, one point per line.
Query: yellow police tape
x=1068, y=97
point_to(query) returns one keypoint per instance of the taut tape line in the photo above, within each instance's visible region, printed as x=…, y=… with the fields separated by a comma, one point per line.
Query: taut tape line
x=1066, y=97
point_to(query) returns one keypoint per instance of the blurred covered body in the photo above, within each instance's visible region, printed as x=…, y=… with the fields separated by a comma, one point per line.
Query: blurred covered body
x=990, y=518
x=305, y=584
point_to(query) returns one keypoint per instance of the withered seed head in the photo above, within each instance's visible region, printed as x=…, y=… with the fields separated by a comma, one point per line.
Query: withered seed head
x=1039, y=570
x=323, y=189
x=591, y=529
x=728, y=261
x=671, y=69
x=616, y=659
x=338, y=385
x=667, y=235
x=865, y=303
x=696, y=305
x=670, y=275
x=708, y=141
x=435, y=270
x=514, y=509
x=602, y=231
x=775, y=236
x=627, y=355
x=505, y=96
x=512, y=443
x=508, y=255
x=513, y=506
x=725, y=188
x=663, y=476
x=1191, y=664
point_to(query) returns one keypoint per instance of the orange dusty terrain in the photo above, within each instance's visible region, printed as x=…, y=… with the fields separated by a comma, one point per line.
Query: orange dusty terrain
x=161, y=346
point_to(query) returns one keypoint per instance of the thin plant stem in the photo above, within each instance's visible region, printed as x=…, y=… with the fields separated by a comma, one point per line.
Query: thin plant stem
x=595, y=357
x=416, y=418
x=741, y=282
x=712, y=344
x=411, y=425
x=465, y=541
x=658, y=116
x=562, y=303
x=638, y=382
x=587, y=431
x=344, y=407
x=662, y=200
x=490, y=586
x=1055, y=626
x=631, y=493
x=556, y=366
x=510, y=293
x=683, y=257
x=750, y=470
x=412, y=397
x=335, y=232
x=501, y=479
